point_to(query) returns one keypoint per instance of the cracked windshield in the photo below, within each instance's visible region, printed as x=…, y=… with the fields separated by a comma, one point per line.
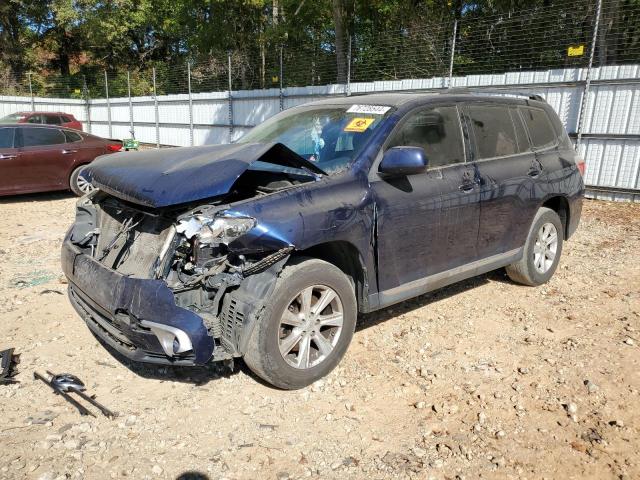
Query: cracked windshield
x=329, y=137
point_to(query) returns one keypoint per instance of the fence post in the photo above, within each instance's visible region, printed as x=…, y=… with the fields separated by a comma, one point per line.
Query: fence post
x=190, y=103
x=33, y=105
x=348, y=88
x=453, y=51
x=587, y=85
x=131, y=128
x=155, y=108
x=230, y=98
x=281, y=81
x=87, y=104
x=106, y=92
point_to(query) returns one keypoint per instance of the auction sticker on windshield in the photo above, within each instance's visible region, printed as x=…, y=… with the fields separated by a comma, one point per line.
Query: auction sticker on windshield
x=359, y=124
x=369, y=109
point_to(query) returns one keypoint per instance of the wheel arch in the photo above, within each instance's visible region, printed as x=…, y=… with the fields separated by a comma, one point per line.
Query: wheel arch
x=346, y=256
x=560, y=205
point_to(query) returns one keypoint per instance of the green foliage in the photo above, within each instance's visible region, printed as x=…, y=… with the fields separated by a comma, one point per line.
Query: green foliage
x=68, y=44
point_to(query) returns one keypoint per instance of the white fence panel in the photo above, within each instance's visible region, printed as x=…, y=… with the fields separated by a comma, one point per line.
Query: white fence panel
x=612, y=111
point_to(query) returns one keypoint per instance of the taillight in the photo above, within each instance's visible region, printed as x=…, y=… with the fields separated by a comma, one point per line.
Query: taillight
x=582, y=165
x=114, y=147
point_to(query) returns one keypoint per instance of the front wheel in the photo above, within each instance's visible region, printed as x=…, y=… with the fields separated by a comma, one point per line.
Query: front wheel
x=306, y=325
x=78, y=184
x=541, y=251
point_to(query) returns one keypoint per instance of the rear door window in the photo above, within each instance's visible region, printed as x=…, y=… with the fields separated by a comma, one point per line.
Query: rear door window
x=540, y=128
x=437, y=131
x=65, y=119
x=521, y=133
x=52, y=120
x=6, y=137
x=34, y=119
x=34, y=137
x=493, y=131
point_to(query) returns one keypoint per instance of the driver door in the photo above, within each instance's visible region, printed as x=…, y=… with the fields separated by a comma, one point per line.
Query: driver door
x=427, y=224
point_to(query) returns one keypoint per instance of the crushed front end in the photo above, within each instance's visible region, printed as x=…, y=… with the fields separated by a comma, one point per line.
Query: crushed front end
x=163, y=285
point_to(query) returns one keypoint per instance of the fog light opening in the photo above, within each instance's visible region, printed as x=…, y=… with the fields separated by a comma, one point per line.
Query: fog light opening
x=172, y=340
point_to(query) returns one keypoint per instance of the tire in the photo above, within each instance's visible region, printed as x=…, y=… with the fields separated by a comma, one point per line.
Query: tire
x=76, y=185
x=535, y=267
x=269, y=336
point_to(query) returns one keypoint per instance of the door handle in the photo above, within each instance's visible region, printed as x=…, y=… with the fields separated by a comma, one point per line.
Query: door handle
x=534, y=173
x=66, y=152
x=467, y=187
x=7, y=157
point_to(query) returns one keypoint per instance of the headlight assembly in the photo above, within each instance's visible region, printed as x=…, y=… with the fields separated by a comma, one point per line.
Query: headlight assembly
x=209, y=231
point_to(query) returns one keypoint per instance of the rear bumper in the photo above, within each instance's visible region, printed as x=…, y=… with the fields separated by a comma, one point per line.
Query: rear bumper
x=113, y=307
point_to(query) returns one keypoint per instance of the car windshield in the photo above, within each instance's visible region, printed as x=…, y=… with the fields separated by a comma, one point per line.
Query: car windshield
x=328, y=136
x=13, y=118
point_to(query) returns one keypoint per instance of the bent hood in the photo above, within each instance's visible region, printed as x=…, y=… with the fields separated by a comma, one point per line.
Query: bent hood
x=172, y=176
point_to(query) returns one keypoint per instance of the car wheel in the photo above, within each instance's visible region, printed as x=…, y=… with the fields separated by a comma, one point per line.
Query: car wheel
x=306, y=325
x=78, y=184
x=541, y=251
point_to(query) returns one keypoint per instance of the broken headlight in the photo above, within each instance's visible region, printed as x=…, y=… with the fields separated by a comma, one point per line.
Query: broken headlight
x=211, y=231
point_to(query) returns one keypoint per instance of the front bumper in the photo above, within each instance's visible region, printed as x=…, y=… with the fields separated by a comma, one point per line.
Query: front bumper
x=113, y=307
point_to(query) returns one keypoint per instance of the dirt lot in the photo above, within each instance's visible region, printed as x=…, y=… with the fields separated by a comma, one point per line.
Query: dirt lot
x=483, y=379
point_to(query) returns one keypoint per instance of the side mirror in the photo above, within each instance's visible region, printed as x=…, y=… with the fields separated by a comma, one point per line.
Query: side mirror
x=402, y=161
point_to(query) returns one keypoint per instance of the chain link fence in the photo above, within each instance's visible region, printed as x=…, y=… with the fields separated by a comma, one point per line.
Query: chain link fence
x=560, y=36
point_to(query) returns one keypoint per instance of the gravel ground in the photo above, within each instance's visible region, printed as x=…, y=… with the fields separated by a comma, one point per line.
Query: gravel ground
x=484, y=379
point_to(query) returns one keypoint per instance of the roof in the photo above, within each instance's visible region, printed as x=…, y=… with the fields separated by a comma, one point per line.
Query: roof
x=42, y=113
x=401, y=98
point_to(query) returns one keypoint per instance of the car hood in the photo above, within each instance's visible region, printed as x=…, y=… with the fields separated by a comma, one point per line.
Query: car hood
x=173, y=176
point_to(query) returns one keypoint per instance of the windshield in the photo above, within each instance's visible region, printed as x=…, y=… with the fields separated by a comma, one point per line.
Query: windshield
x=13, y=118
x=329, y=136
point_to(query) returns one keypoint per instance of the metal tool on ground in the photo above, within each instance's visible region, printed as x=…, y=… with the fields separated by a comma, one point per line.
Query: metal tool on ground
x=67, y=382
x=64, y=384
x=8, y=362
x=81, y=409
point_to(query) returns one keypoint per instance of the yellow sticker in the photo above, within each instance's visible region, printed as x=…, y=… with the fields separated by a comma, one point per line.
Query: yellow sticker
x=359, y=124
x=575, y=50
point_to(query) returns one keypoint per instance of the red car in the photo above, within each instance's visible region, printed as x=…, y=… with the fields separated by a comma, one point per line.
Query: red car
x=47, y=118
x=40, y=158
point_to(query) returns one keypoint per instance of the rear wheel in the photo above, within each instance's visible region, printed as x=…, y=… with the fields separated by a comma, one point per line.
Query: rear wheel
x=78, y=184
x=306, y=325
x=541, y=251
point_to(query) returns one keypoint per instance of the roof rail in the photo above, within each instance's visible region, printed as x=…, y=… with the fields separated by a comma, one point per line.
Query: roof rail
x=505, y=91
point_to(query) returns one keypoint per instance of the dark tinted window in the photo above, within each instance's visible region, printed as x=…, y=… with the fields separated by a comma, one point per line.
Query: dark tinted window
x=6, y=137
x=539, y=126
x=32, y=137
x=521, y=134
x=493, y=131
x=65, y=119
x=72, y=136
x=437, y=131
x=52, y=120
x=34, y=119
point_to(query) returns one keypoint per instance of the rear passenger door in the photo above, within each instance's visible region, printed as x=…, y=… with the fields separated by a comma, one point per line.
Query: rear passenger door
x=508, y=171
x=427, y=223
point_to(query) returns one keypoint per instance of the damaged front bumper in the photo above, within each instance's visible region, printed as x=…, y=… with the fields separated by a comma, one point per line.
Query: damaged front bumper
x=137, y=317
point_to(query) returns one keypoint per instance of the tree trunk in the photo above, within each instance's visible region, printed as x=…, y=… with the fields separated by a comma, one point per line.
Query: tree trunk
x=342, y=11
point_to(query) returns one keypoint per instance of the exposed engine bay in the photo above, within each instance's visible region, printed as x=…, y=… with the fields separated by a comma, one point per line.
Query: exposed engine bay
x=190, y=248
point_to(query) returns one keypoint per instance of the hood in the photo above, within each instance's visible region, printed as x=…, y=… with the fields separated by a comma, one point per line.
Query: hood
x=172, y=176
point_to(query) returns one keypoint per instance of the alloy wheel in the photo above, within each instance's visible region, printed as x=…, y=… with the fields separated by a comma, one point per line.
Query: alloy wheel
x=310, y=326
x=545, y=248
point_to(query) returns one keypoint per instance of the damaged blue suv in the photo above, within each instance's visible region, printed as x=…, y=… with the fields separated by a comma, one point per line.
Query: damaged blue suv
x=268, y=248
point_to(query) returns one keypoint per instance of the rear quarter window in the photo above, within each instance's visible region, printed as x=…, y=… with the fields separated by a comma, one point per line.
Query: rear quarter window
x=540, y=128
x=72, y=136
